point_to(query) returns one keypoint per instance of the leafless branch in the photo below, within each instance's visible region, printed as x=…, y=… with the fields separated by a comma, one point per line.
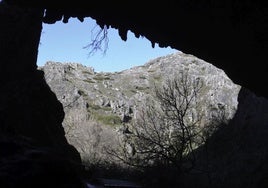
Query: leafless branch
x=99, y=40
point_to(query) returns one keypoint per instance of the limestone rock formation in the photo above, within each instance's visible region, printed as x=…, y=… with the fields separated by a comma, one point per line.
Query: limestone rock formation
x=98, y=105
x=112, y=98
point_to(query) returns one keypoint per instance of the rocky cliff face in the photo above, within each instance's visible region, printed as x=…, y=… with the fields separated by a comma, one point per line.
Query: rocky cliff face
x=97, y=105
x=111, y=99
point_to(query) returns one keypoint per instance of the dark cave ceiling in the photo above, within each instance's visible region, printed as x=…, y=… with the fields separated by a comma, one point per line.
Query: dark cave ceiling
x=230, y=34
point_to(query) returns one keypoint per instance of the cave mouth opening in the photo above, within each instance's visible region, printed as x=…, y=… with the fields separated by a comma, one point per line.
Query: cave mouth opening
x=64, y=43
x=73, y=42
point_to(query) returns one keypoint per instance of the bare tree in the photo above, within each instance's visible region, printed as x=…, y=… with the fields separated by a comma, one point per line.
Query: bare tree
x=166, y=129
x=99, y=40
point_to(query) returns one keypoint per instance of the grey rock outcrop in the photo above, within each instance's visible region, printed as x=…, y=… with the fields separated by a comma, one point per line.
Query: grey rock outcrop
x=97, y=105
x=112, y=98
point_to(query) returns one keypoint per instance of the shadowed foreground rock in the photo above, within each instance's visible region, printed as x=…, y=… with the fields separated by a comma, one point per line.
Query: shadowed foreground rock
x=24, y=165
x=30, y=114
x=207, y=29
x=237, y=153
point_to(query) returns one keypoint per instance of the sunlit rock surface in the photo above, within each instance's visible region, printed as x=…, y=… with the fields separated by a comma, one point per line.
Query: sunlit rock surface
x=98, y=104
x=112, y=98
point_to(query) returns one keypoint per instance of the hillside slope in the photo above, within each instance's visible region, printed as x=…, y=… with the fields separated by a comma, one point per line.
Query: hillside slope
x=98, y=106
x=112, y=98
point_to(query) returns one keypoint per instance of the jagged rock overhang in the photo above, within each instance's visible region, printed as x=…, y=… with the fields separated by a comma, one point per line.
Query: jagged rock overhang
x=231, y=34
x=159, y=22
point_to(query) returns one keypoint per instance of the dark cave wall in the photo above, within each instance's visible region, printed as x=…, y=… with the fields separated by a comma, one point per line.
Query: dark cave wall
x=234, y=38
x=231, y=34
x=28, y=108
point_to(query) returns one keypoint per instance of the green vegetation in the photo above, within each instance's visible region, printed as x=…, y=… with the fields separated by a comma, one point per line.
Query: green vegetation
x=87, y=72
x=89, y=81
x=157, y=77
x=93, y=106
x=102, y=114
x=166, y=131
x=108, y=119
x=150, y=71
x=100, y=77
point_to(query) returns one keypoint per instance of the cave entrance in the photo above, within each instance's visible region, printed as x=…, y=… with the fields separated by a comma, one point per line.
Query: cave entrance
x=67, y=42
x=79, y=80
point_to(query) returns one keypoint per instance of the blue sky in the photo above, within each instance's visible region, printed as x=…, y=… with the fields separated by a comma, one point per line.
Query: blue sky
x=64, y=43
